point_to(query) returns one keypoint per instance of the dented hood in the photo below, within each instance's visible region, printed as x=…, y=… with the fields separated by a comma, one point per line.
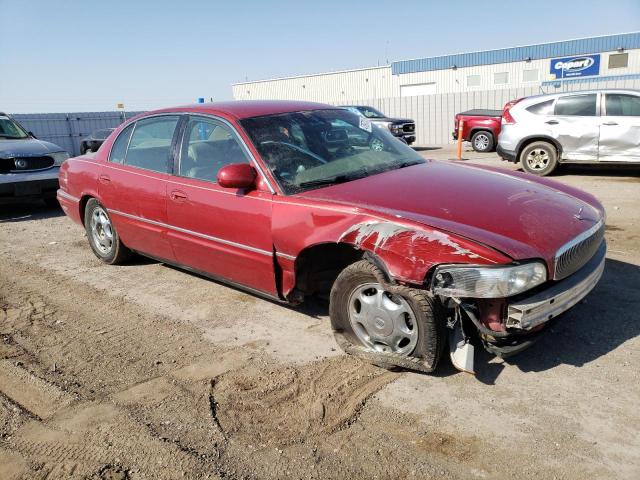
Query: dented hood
x=517, y=214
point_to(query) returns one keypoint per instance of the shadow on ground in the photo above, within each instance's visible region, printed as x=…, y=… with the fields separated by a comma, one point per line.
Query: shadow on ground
x=35, y=210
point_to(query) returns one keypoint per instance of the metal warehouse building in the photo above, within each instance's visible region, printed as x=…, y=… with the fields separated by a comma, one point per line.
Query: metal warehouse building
x=432, y=90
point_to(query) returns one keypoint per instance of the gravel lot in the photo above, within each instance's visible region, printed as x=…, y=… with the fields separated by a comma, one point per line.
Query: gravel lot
x=145, y=371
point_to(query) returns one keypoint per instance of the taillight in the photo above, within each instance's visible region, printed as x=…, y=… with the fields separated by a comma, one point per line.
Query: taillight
x=507, y=118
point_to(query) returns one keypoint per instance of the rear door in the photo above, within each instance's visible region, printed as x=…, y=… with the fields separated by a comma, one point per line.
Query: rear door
x=576, y=125
x=219, y=231
x=620, y=128
x=133, y=184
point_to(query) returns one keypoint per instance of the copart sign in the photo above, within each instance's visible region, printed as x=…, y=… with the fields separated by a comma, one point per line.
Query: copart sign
x=569, y=67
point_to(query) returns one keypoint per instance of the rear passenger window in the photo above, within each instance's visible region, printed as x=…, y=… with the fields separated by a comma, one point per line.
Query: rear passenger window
x=208, y=146
x=119, y=148
x=579, y=105
x=618, y=105
x=543, y=108
x=150, y=145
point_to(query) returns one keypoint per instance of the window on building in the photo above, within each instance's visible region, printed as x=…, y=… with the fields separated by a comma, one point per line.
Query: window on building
x=417, y=89
x=530, y=75
x=473, y=80
x=618, y=60
x=150, y=145
x=208, y=146
x=619, y=105
x=579, y=105
x=542, y=108
x=500, y=78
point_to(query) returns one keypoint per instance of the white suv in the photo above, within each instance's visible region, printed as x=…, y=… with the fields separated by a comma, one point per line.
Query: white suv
x=594, y=126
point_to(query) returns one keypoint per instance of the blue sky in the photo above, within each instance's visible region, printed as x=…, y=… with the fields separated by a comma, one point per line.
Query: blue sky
x=88, y=55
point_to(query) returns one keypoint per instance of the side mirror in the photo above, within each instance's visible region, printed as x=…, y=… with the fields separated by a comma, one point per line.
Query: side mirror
x=237, y=175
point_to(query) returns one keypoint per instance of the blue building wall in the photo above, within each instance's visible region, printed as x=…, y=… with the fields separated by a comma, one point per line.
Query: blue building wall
x=518, y=54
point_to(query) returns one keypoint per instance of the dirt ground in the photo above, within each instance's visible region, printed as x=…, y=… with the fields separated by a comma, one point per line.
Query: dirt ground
x=146, y=371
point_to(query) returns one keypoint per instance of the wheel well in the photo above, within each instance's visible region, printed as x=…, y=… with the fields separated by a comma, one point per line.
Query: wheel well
x=83, y=205
x=481, y=129
x=318, y=266
x=527, y=141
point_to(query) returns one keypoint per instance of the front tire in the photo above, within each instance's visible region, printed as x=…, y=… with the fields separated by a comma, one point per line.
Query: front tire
x=388, y=325
x=539, y=158
x=482, y=141
x=103, y=237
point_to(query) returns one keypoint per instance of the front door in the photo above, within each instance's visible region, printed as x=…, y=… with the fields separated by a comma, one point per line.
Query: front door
x=133, y=184
x=620, y=128
x=576, y=126
x=222, y=232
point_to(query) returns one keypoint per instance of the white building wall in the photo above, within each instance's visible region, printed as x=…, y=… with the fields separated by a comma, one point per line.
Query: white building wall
x=379, y=82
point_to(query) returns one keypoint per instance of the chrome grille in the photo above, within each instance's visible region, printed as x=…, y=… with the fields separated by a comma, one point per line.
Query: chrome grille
x=574, y=254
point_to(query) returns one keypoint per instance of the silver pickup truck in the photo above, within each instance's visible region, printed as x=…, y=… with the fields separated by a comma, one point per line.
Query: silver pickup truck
x=28, y=166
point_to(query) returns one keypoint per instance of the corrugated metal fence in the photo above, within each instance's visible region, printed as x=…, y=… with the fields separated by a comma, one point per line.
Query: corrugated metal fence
x=434, y=114
x=68, y=129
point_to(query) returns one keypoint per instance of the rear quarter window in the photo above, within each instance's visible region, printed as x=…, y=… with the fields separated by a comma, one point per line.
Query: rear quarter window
x=542, y=108
x=119, y=148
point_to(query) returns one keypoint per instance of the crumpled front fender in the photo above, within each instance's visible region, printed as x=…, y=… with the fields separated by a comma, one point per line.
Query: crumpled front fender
x=408, y=252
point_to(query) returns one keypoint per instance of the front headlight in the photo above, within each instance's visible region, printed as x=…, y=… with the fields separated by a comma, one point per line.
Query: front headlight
x=487, y=282
x=59, y=158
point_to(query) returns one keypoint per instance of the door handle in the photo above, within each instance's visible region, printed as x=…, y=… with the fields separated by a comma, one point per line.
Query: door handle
x=104, y=178
x=610, y=123
x=552, y=122
x=178, y=196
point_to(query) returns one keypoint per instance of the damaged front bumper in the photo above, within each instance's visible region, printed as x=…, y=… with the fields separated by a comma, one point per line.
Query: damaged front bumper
x=529, y=312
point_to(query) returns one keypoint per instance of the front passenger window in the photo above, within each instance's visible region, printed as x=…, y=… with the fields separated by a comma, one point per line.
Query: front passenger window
x=619, y=105
x=208, y=146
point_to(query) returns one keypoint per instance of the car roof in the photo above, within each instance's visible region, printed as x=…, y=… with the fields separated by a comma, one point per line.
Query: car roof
x=581, y=92
x=240, y=109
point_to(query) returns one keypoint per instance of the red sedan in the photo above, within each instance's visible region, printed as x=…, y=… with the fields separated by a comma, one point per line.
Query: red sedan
x=292, y=199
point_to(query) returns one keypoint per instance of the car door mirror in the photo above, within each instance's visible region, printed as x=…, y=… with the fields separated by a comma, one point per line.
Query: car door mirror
x=237, y=175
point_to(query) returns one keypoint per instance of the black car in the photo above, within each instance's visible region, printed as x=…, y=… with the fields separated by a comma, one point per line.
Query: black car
x=28, y=167
x=403, y=128
x=92, y=142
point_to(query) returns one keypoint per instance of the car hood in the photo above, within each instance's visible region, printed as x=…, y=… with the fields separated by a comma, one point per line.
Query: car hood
x=392, y=120
x=517, y=214
x=26, y=148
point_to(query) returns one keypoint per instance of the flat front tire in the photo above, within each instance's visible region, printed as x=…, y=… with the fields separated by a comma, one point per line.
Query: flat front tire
x=388, y=325
x=103, y=237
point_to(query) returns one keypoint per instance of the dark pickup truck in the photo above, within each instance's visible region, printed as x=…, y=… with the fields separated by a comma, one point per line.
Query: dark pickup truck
x=481, y=127
x=403, y=128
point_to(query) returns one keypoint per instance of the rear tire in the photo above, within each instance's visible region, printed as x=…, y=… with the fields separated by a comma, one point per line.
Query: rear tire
x=103, y=237
x=482, y=141
x=539, y=158
x=371, y=332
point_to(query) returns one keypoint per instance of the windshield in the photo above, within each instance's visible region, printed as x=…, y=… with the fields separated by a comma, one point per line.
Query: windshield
x=370, y=112
x=306, y=150
x=10, y=129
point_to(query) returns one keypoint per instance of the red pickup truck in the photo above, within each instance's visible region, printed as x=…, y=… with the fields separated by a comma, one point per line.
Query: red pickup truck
x=481, y=128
